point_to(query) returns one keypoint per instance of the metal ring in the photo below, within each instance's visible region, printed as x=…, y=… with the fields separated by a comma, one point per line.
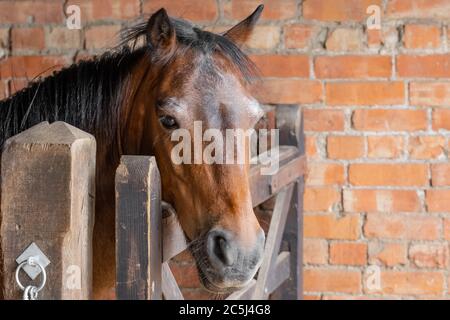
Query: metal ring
x=36, y=263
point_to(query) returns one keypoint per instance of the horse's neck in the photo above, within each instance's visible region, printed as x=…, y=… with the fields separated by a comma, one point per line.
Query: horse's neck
x=135, y=115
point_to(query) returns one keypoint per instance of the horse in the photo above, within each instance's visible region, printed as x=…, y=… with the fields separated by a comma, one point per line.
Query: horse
x=131, y=99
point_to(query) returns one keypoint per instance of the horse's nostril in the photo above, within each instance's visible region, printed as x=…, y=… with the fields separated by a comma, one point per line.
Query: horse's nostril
x=221, y=252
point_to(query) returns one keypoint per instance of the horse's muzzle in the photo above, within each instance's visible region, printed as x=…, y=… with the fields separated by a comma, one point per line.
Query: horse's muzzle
x=230, y=265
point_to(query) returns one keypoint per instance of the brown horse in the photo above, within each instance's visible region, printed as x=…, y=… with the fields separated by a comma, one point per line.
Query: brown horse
x=132, y=101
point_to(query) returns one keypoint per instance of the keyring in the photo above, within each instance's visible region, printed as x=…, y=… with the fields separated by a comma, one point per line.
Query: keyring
x=31, y=262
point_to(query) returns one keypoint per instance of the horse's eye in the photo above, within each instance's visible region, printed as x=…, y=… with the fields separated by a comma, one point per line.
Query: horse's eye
x=168, y=122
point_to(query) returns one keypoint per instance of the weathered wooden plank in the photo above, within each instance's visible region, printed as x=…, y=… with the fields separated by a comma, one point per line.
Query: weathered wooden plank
x=290, y=122
x=170, y=288
x=292, y=289
x=138, y=229
x=47, y=197
x=273, y=241
x=291, y=166
x=174, y=241
x=279, y=272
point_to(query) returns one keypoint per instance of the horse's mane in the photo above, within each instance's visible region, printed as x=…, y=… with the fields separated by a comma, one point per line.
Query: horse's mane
x=89, y=94
x=86, y=95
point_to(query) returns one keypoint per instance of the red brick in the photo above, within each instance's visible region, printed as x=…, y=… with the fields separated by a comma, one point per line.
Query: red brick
x=387, y=174
x=424, y=66
x=63, y=38
x=107, y=9
x=30, y=66
x=311, y=147
x=388, y=254
x=3, y=90
x=17, y=84
x=422, y=36
x=440, y=174
x=418, y=9
x=323, y=120
x=273, y=9
x=353, y=67
x=38, y=11
x=99, y=37
x=389, y=120
x=438, y=200
x=401, y=226
x=191, y=10
x=374, y=38
x=412, y=283
x=321, y=199
x=289, y=91
x=388, y=147
x=337, y=10
x=27, y=39
x=441, y=119
x=345, y=147
x=282, y=65
x=381, y=201
x=344, y=39
x=429, y=255
x=348, y=253
x=447, y=229
x=433, y=94
x=186, y=275
x=315, y=251
x=328, y=280
x=328, y=226
x=299, y=36
x=4, y=38
x=320, y=174
x=387, y=38
x=365, y=93
x=427, y=147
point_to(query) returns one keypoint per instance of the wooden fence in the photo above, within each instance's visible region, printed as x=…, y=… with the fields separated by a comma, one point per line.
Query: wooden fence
x=47, y=201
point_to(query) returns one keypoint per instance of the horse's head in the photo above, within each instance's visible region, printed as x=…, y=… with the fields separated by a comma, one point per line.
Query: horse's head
x=199, y=80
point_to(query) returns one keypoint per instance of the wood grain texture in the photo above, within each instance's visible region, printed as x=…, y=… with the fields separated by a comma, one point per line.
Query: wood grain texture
x=290, y=122
x=138, y=229
x=273, y=243
x=170, y=288
x=47, y=197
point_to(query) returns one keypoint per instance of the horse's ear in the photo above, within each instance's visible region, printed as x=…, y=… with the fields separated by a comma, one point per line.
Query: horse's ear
x=242, y=31
x=160, y=30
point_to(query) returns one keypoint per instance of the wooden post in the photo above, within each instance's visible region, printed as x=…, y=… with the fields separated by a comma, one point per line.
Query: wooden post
x=47, y=197
x=290, y=122
x=138, y=229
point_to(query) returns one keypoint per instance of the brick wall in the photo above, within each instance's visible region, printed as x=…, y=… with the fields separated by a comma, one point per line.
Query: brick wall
x=377, y=119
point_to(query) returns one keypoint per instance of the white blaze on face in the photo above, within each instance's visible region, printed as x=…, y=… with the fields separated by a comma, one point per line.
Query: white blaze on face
x=254, y=110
